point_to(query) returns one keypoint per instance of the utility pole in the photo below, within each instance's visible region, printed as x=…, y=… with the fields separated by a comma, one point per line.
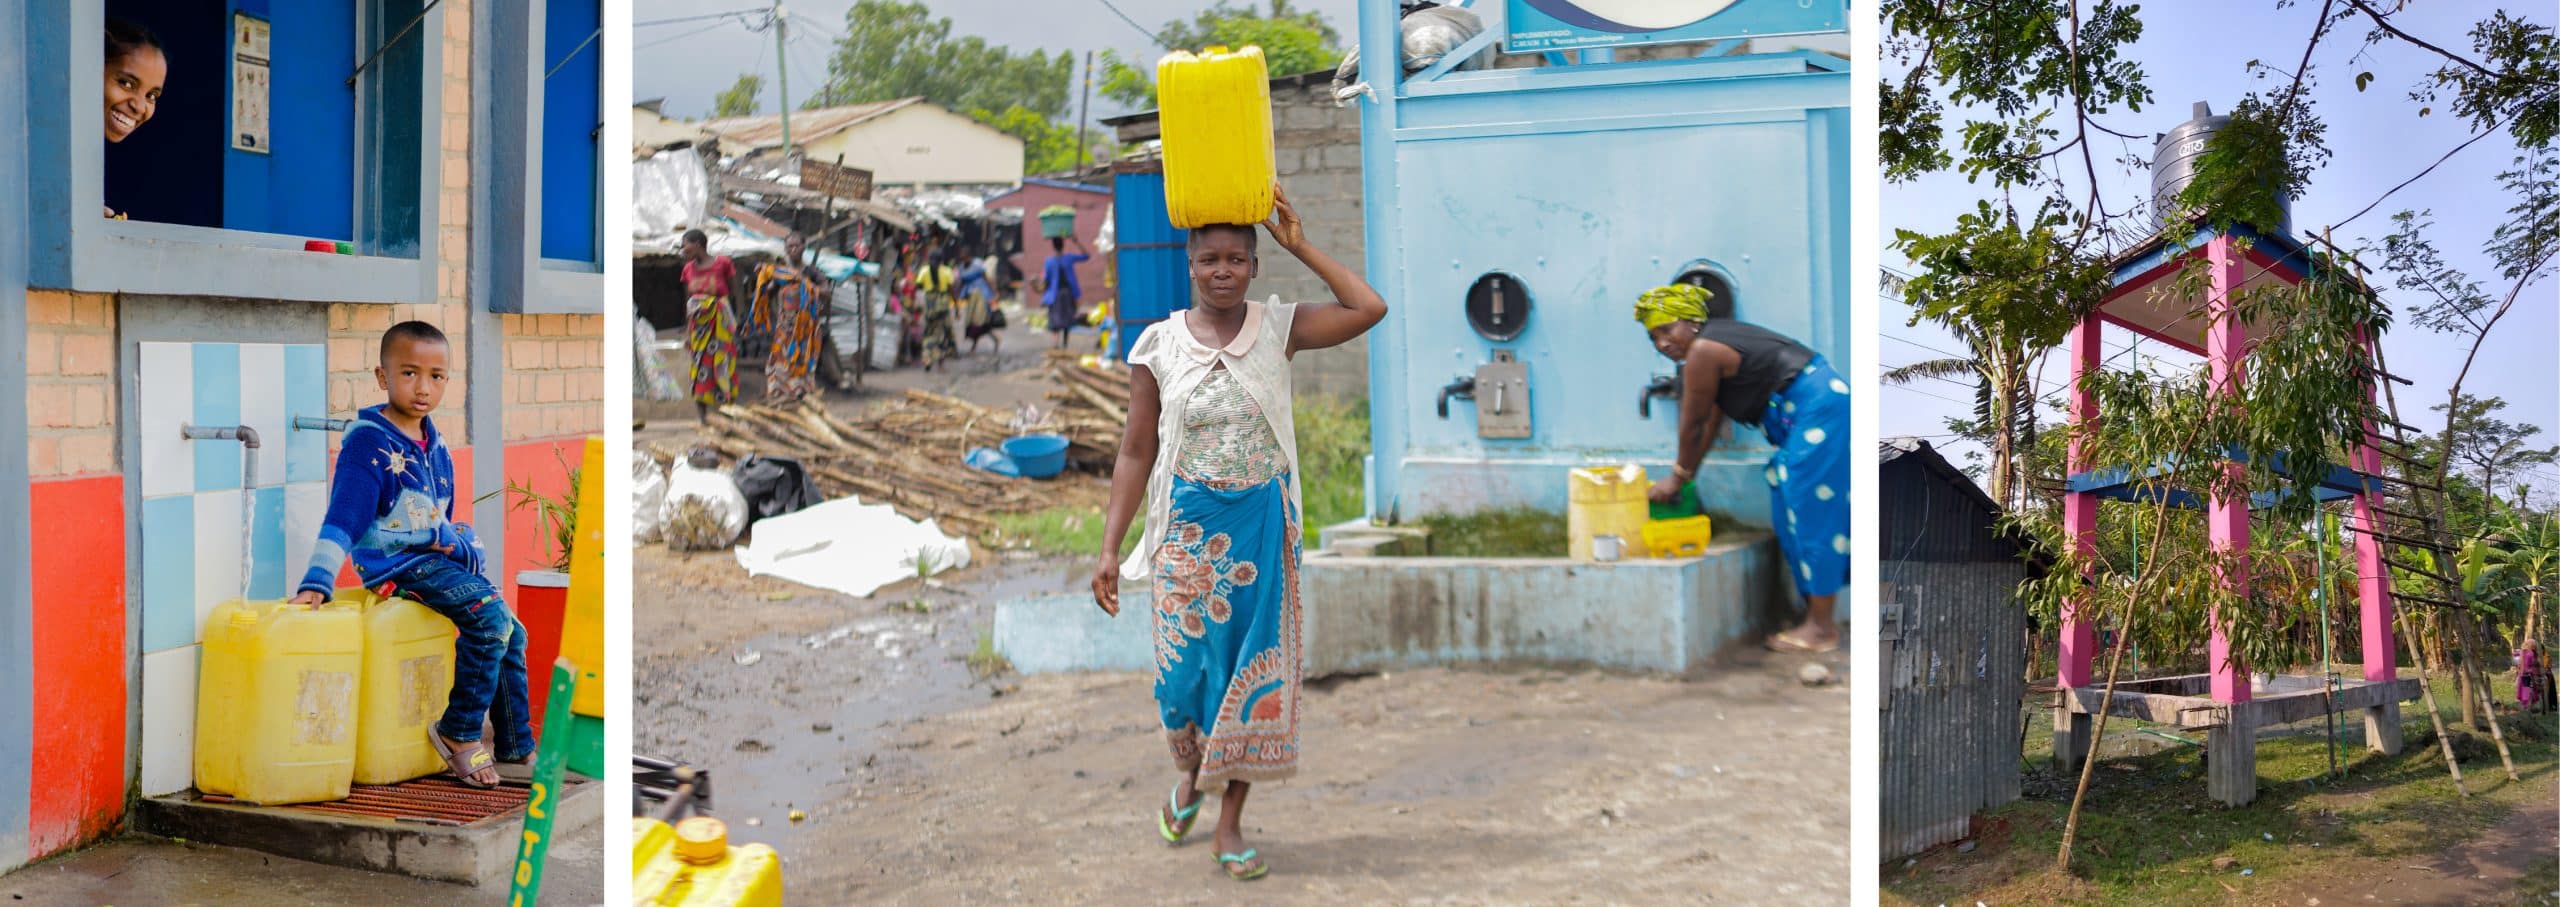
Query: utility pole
x=1083, y=109
x=782, y=70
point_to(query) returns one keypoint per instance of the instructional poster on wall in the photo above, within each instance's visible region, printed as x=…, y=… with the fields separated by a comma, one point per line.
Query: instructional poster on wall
x=249, y=81
x=1544, y=25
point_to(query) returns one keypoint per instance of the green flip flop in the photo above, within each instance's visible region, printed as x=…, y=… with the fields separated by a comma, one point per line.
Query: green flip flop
x=1181, y=814
x=1231, y=859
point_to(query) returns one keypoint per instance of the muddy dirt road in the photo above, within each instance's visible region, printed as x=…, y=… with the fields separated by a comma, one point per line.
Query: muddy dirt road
x=925, y=784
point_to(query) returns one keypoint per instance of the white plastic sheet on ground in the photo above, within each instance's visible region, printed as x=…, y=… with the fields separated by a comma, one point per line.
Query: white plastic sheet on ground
x=848, y=546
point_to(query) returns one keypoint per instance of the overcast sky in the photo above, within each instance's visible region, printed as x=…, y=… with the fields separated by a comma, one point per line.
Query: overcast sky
x=690, y=70
x=2199, y=52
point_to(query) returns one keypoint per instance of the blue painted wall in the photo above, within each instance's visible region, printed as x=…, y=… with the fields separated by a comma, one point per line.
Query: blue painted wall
x=1591, y=184
x=168, y=171
x=305, y=186
x=570, y=113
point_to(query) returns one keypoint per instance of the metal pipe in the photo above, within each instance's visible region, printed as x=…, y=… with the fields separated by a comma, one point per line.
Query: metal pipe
x=248, y=438
x=315, y=423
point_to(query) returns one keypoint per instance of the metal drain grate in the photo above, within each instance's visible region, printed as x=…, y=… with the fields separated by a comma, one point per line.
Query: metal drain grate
x=431, y=801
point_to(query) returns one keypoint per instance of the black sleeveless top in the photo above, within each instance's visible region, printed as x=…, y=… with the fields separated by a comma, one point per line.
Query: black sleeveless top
x=1769, y=362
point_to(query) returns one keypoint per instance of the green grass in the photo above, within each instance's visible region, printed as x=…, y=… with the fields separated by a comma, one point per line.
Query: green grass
x=1073, y=531
x=2148, y=833
x=984, y=662
x=1333, y=438
x=1517, y=532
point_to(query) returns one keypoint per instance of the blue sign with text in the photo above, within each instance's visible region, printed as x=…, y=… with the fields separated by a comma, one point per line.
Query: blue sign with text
x=1545, y=25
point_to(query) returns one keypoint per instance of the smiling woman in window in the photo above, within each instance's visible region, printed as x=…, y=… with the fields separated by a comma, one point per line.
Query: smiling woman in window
x=136, y=69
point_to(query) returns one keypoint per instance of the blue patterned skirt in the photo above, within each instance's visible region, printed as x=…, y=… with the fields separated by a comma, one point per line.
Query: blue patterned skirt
x=1227, y=623
x=1808, y=420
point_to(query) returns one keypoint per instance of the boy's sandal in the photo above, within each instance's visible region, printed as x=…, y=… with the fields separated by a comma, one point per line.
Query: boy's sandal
x=465, y=760
x=1252, y=868
x=1181, y=816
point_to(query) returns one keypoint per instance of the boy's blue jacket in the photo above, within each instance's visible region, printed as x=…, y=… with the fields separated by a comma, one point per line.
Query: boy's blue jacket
x=389, y=503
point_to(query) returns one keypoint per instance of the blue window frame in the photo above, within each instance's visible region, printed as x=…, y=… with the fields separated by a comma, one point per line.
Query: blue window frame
x=543, y=197
x=342, y=160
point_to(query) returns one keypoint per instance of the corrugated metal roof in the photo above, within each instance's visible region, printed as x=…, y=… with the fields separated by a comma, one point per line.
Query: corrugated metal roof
x=806, y=125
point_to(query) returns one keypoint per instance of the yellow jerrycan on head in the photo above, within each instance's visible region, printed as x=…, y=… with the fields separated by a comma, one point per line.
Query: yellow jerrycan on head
x=692, y=865
x=276, y=701
x=1214, y=112
x=408, y=674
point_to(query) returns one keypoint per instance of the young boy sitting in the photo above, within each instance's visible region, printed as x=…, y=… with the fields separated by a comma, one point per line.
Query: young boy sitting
x=391, y=509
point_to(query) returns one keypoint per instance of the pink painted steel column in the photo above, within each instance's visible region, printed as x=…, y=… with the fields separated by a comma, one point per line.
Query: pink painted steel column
x=2078, y=645
x=2373, y=586
x=2227, y=520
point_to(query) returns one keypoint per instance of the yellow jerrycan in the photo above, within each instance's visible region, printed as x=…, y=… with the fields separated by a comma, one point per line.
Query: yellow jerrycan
x=408, y=672
x=276, y=701
x=692, y=865
x=1606, y=500
x=1215, y=118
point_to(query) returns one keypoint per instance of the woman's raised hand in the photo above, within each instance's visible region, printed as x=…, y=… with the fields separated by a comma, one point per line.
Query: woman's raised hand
x=1283, y=223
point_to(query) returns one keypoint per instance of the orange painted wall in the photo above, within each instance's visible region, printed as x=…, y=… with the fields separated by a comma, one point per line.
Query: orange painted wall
x=545, y=466
x=79, y=635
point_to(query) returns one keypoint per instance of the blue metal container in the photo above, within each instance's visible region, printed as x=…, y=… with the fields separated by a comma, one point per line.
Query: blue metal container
x=1155, y=281
x=1583, y=186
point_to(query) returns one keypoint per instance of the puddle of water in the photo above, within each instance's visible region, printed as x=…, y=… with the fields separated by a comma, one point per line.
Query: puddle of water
x=794, y=725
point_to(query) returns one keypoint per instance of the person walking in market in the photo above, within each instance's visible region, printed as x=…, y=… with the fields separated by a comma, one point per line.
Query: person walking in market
x=711, y=323
x=1210, y=454
x=788, y=295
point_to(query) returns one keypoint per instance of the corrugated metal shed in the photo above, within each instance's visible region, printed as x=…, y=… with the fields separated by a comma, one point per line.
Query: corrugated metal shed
x=1953, y=645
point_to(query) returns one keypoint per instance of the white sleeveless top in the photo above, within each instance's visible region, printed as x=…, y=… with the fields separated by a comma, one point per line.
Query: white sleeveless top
x=1257, y=360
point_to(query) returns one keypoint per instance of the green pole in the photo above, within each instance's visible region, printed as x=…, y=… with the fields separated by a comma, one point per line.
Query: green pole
x=548, y=761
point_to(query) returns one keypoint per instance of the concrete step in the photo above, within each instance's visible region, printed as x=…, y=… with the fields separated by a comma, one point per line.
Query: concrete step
x=481, y=852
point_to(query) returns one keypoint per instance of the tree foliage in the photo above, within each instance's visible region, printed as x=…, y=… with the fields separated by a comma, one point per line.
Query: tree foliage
x=1047, y=145
x=740, y=99
x=2489, y=446
x=893, y=49
x=1292, y=42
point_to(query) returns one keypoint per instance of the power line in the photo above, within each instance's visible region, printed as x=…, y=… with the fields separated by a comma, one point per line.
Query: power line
x=1133, y=23
x=681, y=37
x=1909, y=388
x=699, y=18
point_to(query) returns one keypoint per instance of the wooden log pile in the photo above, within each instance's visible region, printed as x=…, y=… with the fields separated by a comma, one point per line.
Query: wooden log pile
x=1092, y=409
x=906, y=453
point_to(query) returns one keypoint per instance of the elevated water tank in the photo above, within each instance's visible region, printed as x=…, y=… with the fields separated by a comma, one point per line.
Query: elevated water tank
x=2173, y=166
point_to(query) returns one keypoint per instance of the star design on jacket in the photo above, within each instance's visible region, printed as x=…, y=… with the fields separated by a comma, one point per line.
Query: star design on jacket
x=399, y=465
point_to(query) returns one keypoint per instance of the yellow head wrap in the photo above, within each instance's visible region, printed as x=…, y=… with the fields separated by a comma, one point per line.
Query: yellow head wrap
x=1678, y=302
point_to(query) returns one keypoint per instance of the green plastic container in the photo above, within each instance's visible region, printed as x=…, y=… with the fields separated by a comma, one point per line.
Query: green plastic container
x=1686, y=505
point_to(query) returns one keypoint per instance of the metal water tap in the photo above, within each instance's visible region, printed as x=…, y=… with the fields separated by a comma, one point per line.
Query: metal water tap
x=1464, y=388
x=1660, y=386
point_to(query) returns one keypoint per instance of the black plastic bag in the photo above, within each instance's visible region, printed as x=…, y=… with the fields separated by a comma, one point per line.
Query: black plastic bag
x=774, y=486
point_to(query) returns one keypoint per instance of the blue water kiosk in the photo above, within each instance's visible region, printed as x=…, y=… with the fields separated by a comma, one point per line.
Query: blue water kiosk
x=1514, y=215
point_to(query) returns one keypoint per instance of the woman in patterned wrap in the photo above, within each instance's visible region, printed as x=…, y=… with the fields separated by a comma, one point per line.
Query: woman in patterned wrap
x=1211, y=454
x=1760, y=378
x=788, y=297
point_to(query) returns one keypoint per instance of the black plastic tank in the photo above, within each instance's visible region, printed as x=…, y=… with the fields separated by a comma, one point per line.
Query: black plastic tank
x=2173, y=166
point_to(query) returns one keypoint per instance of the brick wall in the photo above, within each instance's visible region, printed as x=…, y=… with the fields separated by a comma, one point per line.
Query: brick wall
x=71, y=384
x=554, y=375
x=1316, y=147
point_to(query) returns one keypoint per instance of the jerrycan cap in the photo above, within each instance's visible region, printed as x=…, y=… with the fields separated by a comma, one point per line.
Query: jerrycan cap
x=702, y=840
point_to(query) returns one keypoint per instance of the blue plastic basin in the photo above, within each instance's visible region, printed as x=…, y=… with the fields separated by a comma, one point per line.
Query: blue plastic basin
x=1038, y=456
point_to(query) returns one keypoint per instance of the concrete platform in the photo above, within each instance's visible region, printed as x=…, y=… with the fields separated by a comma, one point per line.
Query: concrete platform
x=2231, y=728
x=1380, y=613
x=480, y=853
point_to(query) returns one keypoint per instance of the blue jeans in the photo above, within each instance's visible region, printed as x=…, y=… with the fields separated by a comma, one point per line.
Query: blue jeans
x=488, y=656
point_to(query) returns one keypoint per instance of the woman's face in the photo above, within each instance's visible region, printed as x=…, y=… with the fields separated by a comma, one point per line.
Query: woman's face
x=1221, y=268
x=791, y=247
x=133, y=90
x=1673, y=340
